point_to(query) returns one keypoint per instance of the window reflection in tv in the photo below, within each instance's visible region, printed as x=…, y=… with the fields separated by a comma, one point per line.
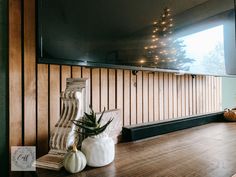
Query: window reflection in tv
x=207, y=49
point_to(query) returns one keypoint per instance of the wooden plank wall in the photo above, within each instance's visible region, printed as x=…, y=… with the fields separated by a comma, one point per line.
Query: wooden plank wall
x=34, y=89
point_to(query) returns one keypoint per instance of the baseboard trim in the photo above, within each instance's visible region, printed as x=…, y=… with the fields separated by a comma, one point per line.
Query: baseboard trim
x=141, y=131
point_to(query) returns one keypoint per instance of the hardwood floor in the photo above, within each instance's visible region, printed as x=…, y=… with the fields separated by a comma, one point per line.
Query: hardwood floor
x=204, y=151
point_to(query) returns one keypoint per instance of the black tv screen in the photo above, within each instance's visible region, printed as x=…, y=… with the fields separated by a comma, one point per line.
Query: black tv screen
x=186, y=36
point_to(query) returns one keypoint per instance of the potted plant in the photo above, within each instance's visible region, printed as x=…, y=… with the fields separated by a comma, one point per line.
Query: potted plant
x=98, y=147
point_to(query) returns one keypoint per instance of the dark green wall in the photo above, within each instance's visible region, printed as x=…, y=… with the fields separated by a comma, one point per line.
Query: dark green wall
x=3, y=88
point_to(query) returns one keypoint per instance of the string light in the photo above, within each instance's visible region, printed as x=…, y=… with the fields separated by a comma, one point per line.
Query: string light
x=163, y=22
x=142, y=61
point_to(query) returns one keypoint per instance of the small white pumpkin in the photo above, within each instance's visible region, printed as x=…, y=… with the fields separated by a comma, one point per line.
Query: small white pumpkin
x=74, y=161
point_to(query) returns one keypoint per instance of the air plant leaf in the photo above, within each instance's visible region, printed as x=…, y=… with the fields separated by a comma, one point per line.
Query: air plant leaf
x=89, y=125
x=100, y=118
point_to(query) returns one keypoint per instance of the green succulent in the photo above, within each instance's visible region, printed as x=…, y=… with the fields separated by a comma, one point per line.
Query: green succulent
x=89, y=125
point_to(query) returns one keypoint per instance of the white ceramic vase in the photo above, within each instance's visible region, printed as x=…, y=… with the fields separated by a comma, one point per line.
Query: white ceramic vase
x=99, y=150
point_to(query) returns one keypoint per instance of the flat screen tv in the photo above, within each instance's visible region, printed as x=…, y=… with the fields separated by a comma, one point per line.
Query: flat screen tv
x=182, y=36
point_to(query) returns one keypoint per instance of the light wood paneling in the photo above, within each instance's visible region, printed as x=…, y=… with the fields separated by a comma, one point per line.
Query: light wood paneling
x=15, y=74
x=76, y=72
x=194, y=95
x=170, y=96
x=65, y=73
x=54, y=91
x=95, y=91
x=175, y=97
x=139, y=97
x=145, y=96
x=133, y=99
x=179, y=97
x=156, y=97
x=112, y=89
x=120, y=92
x=30, y=73
x=42, y=110
x=104, y=88
x=86, y=73
x=127, y=97
x=183, y=95
x=150, y=97
x=166, y=96
x=161, y=96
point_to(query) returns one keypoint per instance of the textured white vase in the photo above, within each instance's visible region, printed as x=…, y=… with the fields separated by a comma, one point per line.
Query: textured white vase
x=99, y=150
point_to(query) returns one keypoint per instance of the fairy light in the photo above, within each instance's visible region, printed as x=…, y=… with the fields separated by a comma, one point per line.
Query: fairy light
x=142, y=61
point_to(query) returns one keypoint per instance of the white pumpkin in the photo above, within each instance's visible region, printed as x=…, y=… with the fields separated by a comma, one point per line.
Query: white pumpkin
x=74, y=161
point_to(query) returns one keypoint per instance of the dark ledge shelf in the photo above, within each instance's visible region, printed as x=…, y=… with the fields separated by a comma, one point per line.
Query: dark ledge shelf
x=141, y=131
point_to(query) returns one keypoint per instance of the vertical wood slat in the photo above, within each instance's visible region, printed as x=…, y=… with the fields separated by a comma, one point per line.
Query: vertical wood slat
x=156, y=97
x=42, y=110
x=220, y=93
x=65, y=73
x=150, y=98
x=194, y=96
x=111, y=90
x=175, y=98
x=139, y=97
x=145, y=96
x=161, y=98
x=207, y=94
x=166, y=97
x=190, y=82
x=54, y=95
x=29, y=73
x=120, y=93
x=183, y=96
x=179, y=97
x=203, y=94
x=15, y=74
x=198, y=94
x=95, y=94
x=133, y=101
x=104, y=89
x=86, y=73
x=186, y=95
x=170, y=96
x=76, y=72
x=126, y=97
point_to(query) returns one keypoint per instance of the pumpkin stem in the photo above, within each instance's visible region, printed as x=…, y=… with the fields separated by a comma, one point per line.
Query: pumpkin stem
x=74, y=148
